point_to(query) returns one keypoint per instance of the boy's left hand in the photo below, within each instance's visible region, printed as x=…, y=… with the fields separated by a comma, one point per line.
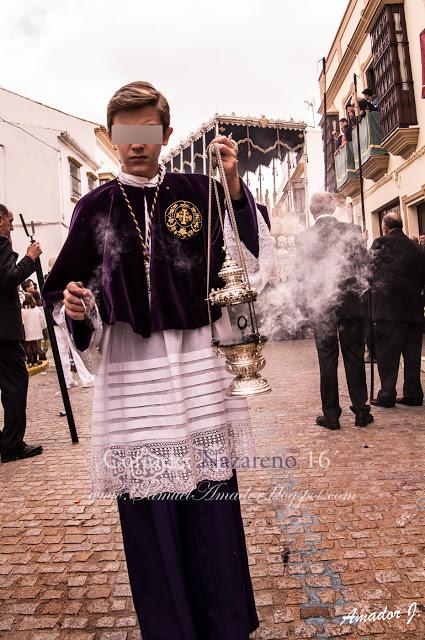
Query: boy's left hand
x=229, y=154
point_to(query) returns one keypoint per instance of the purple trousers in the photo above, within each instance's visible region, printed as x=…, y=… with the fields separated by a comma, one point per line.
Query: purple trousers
x=188, y=565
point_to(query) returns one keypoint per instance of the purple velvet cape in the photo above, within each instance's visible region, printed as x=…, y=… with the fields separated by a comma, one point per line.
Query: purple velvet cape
x=103, y=251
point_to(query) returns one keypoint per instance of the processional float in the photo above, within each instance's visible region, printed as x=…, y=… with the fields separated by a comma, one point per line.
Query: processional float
x=262, y=142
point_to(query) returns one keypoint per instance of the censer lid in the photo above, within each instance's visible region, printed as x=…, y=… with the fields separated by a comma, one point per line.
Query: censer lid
x=235, y=290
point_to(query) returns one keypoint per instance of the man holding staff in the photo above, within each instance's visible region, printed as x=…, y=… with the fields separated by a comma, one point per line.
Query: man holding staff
x=13, y=370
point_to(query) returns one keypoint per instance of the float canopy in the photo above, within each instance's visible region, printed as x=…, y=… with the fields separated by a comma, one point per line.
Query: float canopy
x=259, y=141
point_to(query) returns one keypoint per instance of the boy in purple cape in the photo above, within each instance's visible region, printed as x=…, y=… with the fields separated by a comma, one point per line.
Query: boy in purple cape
x=165, y=437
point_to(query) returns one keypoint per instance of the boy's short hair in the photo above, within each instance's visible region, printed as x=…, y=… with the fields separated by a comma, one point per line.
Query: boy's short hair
x=134, y=96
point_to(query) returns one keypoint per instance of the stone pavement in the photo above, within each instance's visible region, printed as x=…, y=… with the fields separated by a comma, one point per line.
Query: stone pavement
x=338, y=524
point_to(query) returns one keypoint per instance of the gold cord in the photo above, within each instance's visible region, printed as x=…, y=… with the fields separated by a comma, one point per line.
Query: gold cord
x=145, y=244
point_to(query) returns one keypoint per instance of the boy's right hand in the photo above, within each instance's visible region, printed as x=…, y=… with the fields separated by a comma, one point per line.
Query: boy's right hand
x=77, y=300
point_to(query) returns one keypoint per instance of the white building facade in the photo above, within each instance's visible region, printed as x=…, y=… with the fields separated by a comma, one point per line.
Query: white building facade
x=301, y=179
x=48, y=160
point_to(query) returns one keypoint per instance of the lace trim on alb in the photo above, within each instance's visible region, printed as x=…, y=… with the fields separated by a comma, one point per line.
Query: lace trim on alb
x=146, y=469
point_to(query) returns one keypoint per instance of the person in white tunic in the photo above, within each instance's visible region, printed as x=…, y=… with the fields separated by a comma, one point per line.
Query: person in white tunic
x=165, y=437
x=34, y=322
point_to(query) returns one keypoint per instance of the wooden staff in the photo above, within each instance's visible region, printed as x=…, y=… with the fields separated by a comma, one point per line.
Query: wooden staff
x=54, y=344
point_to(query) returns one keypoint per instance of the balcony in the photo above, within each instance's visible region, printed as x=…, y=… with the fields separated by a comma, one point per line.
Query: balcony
x=347, y=177
x=403, y=141
x=374, y=157
x=394, y=79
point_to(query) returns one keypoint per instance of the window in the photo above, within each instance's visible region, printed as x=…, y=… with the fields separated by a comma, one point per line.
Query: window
x=348, y=100
x=388, y=208
x=298, y=194
x=392, y=70
x=329, y=151
x=421, y=218
x=370, y=79
x=91, y=181
x=105, y=177
x=74, y=168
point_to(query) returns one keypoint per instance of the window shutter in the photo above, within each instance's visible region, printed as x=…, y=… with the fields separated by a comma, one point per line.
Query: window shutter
x=329, y=144
x=392, y=69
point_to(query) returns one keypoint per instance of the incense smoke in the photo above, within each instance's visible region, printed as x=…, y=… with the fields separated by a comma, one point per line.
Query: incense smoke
x=318, y=282
x=184, y=262
x=108, y=241
x=305, y=292
x=114, y=242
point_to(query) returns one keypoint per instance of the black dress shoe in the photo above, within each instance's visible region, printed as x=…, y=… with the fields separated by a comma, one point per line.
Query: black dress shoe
x=363, y=419
x=383, y=403
x=410, y=403
x=27, y=452
x=323, y=422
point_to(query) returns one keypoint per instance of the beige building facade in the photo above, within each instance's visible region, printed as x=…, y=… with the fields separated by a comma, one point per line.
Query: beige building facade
x=383, y=43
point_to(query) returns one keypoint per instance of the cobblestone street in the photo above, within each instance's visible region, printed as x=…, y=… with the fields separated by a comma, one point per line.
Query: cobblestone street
x=340, y=527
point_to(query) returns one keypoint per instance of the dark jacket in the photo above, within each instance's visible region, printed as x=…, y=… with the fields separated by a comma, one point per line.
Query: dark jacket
x=398, y=278
x=367, y=105
x=332, y=269
x=11, y=276
x=349, y=132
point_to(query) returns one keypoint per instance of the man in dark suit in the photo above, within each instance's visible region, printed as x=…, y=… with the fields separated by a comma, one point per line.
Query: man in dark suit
x=332, y=272
x=13, y=371
x=397, y=306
